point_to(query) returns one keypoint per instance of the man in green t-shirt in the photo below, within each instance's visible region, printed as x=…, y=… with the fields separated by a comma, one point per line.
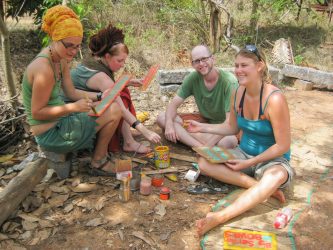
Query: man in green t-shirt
x=211, y=88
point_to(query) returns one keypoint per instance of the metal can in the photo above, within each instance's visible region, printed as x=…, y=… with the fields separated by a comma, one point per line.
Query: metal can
x=165, y=193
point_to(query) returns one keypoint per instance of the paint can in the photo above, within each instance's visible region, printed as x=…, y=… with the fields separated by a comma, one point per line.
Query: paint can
x=164, y=193
x=162, y=157
x=157, y=180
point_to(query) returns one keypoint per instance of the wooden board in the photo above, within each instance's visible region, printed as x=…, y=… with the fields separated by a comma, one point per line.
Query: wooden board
x=183, y=157
x=149, y=77
x=114, y=92
x=214, y=154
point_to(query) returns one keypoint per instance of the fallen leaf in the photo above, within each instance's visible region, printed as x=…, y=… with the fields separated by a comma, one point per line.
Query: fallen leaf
x=4, y=158
x=28, y=226
x=61, y=189
x=2, y=172
x=58, y=200
x=96, y=222
x=47, y=193
x=40, y=187
x=100, y=203
x=121, y=234
x=25, y=236
x=9, y=227
x=141, y=236
x=75, y=182
x=83, y=188
x=165, y=236
x=160, y=210
x=68, y=208
x=84, y=204
x=28, y=217
x=42, y=209
x=171, y=177
x=45, y=224
x=3, y=237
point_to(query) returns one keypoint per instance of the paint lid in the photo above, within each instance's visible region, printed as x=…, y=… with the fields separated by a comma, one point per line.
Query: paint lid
x=165, y=190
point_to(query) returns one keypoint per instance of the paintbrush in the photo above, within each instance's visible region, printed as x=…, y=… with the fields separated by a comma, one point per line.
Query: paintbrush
x=92, y=107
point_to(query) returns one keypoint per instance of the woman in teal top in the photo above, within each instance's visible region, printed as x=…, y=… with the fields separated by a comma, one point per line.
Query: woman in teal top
x=262, y=166
x=60, y=127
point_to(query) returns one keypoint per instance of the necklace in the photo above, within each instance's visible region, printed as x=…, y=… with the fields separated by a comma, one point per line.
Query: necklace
x=57, y=74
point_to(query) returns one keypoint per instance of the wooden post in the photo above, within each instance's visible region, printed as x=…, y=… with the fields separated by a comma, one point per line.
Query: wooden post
x=4, y=34
x=20, y=187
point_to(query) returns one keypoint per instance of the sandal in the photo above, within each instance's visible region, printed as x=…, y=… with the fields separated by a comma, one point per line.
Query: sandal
x=98, y=171
x=200, y=189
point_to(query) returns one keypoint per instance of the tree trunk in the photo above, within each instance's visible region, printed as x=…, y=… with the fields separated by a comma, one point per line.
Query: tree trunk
x=20, y=187
x=254, y=15
x=6, y=60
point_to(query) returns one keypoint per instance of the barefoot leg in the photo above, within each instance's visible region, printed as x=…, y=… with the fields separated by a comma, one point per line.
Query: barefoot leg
x=269, y=183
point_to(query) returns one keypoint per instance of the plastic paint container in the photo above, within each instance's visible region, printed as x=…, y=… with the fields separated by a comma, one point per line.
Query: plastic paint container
x=165, y=193
x=162, y=157
x=145, y=185
x=157, y=180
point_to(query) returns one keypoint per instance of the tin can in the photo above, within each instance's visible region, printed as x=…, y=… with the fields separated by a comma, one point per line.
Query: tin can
x=157, y=180
x=162, y=157
x=165, y=193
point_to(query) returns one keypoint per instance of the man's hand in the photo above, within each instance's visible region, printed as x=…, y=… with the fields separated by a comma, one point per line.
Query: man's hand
x=237, y=165
x=194, y=126
x=170, y=133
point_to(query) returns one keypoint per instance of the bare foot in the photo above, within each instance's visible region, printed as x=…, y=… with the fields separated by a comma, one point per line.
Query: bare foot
x=278, y=194
x=136, y=146
x=204, y=225
x=135, y=132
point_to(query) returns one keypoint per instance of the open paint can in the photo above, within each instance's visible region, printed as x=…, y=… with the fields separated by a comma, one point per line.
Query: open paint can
x=162, y=157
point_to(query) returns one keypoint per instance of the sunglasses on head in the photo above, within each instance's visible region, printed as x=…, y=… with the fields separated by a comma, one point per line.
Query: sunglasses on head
x=253, y=49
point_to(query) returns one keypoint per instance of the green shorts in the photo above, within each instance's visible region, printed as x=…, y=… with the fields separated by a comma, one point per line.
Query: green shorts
x=258, y=170
x=71, y=133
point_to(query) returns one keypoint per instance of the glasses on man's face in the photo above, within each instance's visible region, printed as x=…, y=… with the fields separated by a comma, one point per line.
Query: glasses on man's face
x=203, y=60
x=70, y=45
x=253, y=49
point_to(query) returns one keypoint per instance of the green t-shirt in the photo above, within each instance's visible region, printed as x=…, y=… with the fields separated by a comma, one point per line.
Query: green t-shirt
x=212, y=104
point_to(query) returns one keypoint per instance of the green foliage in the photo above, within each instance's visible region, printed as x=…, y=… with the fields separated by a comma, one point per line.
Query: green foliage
x=298, y=59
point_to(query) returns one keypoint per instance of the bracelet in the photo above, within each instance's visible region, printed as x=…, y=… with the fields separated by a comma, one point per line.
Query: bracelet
x=99, y=96
x=136, y=123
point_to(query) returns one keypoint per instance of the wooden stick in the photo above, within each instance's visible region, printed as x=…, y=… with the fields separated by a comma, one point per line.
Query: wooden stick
x=166, y=170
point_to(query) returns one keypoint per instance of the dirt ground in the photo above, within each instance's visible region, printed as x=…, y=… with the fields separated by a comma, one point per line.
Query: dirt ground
x=58, y=216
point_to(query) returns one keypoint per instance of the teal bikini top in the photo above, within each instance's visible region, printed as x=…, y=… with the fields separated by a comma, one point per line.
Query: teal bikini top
x=257, y=135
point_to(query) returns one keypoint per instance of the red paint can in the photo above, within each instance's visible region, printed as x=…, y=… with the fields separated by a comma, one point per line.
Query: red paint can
x=157, y=180
x=165, y=193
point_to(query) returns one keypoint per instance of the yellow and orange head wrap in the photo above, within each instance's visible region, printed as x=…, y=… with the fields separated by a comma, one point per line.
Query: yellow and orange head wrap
x=60, y=22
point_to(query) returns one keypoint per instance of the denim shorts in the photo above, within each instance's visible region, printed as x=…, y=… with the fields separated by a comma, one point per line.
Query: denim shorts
x=257, y=171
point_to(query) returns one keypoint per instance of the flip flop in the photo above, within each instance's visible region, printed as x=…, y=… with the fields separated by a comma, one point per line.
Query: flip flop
x=200, y=189
x=98, y=171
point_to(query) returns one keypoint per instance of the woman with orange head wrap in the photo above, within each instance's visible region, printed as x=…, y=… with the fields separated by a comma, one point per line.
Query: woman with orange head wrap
x=60, y=127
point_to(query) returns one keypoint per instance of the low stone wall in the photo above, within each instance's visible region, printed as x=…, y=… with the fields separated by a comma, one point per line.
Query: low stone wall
x=169, y=80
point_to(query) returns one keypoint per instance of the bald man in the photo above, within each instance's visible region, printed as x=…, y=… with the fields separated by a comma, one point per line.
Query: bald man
x=212, y=89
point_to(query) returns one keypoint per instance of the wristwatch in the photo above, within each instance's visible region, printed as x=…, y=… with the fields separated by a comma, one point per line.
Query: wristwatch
x=99, y=96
